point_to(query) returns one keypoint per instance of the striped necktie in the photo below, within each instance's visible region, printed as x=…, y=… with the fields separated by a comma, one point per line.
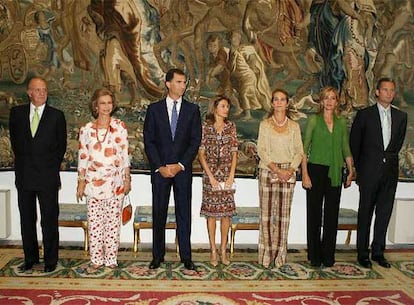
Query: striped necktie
x=35, y=122
x=174, y=119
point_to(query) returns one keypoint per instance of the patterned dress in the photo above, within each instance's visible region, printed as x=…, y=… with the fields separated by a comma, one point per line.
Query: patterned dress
x=218, y=150
x=103, y=154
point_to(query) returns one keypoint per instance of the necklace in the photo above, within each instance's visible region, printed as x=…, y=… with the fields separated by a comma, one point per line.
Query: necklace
x=97, y=133
x=280, y=124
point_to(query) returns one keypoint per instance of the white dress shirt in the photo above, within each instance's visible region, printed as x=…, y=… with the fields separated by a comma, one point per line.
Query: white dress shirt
x=170, y=105
x=39, y=111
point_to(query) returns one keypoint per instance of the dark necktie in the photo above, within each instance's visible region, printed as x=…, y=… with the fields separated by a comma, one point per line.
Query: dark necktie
x=174, y=119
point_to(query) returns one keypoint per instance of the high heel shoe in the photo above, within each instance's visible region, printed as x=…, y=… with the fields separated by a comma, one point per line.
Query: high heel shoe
x=213, y=258
x=224, y=258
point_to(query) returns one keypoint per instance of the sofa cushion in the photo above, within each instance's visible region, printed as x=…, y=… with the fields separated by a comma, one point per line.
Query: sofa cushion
x=347, y=217
x=73, y=212
x=246, y=215
x=144, y=214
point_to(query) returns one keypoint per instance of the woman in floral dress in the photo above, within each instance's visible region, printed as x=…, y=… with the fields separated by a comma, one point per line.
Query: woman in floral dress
x=218, y=157
x=103, y=177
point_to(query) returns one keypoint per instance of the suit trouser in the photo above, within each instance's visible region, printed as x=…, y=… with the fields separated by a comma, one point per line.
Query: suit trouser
x=49, y=213
x=322, y=202
x=375, y=195
x=161, y=189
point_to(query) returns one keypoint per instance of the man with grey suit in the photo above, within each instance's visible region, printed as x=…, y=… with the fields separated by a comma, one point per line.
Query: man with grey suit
x=377, y=135
x=38, y=138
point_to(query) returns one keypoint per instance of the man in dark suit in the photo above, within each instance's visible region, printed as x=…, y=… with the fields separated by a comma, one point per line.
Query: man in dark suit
x=172, y=135
x=38, y=138
x=377, y=135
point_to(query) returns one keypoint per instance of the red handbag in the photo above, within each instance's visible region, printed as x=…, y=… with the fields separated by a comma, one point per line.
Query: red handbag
x=126, y=210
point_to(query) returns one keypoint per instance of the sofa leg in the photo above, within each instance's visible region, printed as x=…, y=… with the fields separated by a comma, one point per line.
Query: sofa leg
x=136, y=240
x=85, y=236
x=348, y=238
x=232, y=235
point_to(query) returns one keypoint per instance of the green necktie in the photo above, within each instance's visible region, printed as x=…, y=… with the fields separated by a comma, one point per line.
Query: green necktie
x=35, y=122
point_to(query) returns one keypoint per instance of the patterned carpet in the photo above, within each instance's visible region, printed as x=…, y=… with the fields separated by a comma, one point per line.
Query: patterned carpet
x=242, y=282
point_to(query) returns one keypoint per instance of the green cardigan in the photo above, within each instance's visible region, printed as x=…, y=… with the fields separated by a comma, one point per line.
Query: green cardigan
x=326, y=148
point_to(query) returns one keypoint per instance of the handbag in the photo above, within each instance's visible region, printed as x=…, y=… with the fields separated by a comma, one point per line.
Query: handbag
x=345, y=173
x=222, y=187
x=126, y=210
x=292, y=179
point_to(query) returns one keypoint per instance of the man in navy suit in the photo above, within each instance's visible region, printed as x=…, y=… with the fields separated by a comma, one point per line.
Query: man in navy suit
x=38, y=138
x=172, y=135
x=377, y=135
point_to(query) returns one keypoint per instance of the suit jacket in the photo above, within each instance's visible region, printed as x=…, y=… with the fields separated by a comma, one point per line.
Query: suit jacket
x=38, y=158
x=371, y=159
x=160, y=148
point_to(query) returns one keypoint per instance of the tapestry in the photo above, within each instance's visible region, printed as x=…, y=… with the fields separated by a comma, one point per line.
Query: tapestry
x=239, y=48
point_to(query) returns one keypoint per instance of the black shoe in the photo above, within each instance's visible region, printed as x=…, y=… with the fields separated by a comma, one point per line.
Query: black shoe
x=382, y=261
x=155, y=263
x=50, y=268
x=365, y=262
x=189, y=265
x=315, y=264
x=25, y=266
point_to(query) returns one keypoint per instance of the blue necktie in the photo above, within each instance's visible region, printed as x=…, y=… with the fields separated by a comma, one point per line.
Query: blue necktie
x=174, y=119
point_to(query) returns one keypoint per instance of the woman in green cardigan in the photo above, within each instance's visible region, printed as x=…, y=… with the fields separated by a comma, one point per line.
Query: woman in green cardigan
x=326, y=146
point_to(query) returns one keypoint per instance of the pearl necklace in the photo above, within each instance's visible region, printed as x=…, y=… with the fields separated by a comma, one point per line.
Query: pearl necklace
x=280, y=124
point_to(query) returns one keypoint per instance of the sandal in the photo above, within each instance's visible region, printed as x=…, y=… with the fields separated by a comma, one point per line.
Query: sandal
x=92, y=268
x=213, y=258
x=224, y=258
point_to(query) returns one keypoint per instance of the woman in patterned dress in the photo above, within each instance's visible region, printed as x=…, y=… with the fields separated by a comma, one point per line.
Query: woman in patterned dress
x=280, y=149
x=103, y=177
x=218, y=157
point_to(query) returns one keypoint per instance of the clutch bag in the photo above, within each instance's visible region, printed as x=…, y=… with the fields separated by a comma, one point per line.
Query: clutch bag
x=126, y=210
x=223, y=187
x=275, y=178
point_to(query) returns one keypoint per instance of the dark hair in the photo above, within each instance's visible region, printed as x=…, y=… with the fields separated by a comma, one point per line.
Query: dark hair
x=213, y=106
x=170, y=74
x=322, y=95
x=231, y=33
x=94, y=100
x=270, y=113
x=212, y=38
x=384, y=80
x=37, y=14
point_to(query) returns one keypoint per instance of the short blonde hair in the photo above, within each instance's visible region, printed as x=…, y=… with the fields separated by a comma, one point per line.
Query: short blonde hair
x=324, y=93
x=94, y=100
